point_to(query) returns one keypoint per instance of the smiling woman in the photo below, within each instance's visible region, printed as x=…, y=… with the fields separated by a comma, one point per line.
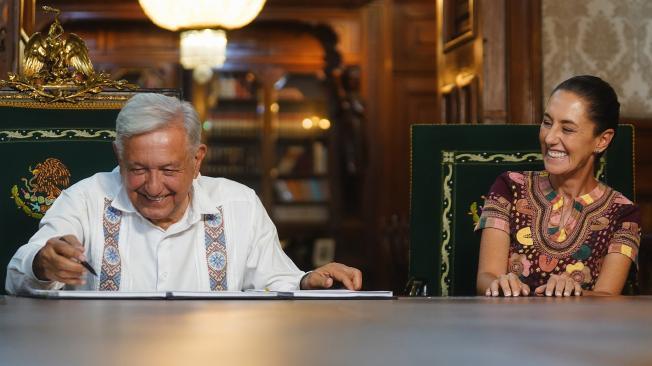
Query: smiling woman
x=561, y=232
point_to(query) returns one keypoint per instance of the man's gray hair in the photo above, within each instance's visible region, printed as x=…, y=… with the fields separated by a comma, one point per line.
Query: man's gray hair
x=147, y=112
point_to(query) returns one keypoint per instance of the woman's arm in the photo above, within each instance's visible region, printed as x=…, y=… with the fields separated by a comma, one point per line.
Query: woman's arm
x=610, y=282
x=612, y=277
x=492, y=279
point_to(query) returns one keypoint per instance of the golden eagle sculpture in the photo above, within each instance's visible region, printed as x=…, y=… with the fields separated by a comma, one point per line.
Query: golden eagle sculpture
x=60, y=57
x=56, y=67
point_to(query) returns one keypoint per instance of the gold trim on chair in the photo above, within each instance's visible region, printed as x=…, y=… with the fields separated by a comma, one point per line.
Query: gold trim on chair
x=54, y=134
x=449, y=160
x=113, y=100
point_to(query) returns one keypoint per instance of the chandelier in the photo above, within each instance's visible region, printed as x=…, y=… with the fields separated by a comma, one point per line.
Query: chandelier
x=201, y=47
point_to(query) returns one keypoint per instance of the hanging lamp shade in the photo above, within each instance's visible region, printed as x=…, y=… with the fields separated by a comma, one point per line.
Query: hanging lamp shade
x=202, y=50
x=196, y=14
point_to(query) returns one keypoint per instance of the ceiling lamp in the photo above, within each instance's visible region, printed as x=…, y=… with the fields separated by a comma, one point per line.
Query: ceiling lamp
x=202, y=48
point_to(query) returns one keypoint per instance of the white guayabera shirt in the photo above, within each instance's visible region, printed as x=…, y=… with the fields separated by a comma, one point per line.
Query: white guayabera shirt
x=153, y=259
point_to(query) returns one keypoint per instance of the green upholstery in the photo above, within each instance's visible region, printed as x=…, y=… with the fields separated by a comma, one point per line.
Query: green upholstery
x=452, y=168
x=77, y=135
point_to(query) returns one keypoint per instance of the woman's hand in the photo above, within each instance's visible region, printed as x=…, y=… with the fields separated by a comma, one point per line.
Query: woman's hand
x=507, y=285
x=559, y=285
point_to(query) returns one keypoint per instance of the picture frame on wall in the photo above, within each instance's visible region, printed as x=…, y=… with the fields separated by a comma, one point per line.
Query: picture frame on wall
x=458, y=22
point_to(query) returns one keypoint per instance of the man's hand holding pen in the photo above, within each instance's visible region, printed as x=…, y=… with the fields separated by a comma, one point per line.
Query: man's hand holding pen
x=62, y=259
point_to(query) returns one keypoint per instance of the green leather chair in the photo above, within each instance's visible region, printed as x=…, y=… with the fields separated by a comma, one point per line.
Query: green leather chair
x=452, y=168
x=46, y=147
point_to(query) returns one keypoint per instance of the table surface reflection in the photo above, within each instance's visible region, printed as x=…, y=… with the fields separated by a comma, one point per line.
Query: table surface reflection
x=464, y=331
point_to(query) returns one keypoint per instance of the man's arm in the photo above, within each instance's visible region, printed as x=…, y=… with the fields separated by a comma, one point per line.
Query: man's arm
x=65, y=217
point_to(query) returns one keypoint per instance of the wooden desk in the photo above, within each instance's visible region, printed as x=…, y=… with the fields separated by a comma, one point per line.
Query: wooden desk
x=460, y=331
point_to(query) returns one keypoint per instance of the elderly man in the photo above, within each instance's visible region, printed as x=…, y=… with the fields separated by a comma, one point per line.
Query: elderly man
x=157, y=225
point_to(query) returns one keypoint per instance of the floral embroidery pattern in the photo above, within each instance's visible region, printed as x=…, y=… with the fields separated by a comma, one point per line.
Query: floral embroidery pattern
x=519, y=265
x=554, y=240
x=524, y=236
x=111, y=267
x=579, y=273
x=215, y=243
x=547, y=263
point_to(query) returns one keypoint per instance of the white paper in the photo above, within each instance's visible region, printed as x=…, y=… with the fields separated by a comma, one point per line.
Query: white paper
x=62, y=294
x=223, y=294
x=248, y=294
x=341, y=294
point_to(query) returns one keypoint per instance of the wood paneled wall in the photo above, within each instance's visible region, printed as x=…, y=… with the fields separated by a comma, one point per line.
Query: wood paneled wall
x=9, y=36
x=491, y=73
x=400, y=88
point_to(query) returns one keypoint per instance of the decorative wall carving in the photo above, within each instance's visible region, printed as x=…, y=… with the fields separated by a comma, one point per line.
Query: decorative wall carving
x=608, y=38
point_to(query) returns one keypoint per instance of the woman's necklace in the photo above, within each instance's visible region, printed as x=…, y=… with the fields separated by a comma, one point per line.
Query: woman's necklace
x=566, y=208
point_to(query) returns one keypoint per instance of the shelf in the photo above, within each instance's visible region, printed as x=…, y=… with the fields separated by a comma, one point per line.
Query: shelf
x=302, y=176
x=242, y=176
x=238, y=101
x=235, y=174
x=303, y=101
x=301, y=139
x=231, y=140
x=302, y=203
x=303, y=213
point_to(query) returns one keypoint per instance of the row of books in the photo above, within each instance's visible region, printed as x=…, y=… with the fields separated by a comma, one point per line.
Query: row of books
x=300, y=214
x=302, y=190
x=234, y=160
x=233, y=124
x=248, y=124
x=299, y=159
x=228, y=171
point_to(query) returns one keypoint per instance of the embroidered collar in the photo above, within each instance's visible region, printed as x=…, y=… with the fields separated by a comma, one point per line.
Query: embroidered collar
x=555, y=199
x=549, y=237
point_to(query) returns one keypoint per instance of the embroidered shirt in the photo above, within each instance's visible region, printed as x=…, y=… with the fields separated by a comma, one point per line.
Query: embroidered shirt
x=154, y=259
x=524, y=205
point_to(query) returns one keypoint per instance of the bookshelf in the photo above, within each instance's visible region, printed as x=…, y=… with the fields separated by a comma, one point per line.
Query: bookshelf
x=232, y=130
x=272, y=132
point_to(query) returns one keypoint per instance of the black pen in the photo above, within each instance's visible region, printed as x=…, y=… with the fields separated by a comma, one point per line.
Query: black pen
x=83, y=263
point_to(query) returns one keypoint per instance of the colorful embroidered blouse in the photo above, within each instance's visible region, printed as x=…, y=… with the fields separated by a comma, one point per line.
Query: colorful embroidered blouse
x=524, y=205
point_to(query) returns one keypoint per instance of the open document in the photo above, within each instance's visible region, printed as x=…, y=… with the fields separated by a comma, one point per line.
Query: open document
x=63, y=294
x=216, y=295
x=341, y=294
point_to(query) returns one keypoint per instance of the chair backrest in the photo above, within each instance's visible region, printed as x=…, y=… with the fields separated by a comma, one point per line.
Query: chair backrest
x=452, y=168
x=46, y=147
